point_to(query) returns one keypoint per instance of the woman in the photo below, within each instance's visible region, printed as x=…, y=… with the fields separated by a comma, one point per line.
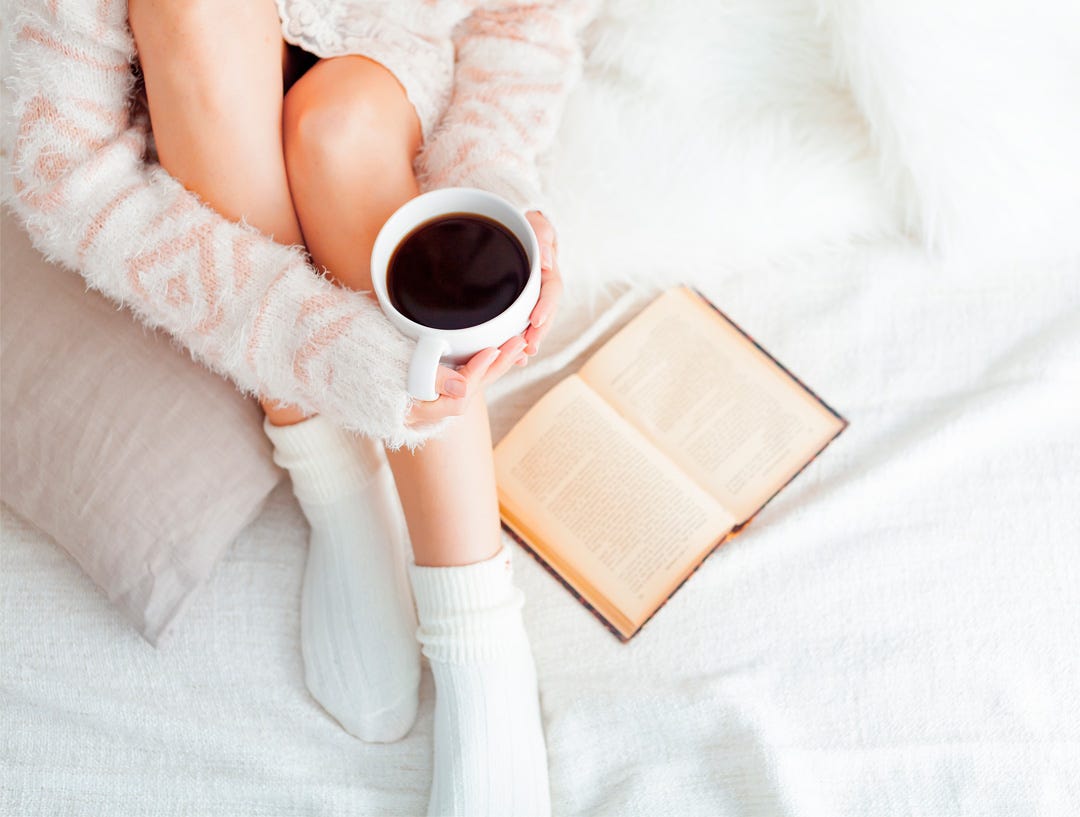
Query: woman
x=317, y=148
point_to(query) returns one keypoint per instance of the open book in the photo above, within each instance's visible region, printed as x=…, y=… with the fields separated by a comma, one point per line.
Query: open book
x=626, y=476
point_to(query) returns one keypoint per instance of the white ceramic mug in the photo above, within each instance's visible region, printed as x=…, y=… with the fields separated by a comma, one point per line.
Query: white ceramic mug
x=455, y=346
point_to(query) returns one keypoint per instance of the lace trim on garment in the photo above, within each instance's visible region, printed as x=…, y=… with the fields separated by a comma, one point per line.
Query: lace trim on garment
x=423, y=66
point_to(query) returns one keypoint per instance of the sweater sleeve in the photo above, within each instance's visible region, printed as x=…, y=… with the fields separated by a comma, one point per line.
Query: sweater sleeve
x=248, y=308
x=515, y=64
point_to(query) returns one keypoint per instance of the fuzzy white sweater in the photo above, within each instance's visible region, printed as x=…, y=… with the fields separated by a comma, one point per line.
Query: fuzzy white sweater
x=92, y=198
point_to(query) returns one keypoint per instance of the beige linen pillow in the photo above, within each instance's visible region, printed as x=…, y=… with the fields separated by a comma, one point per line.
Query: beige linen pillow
x=138, y=461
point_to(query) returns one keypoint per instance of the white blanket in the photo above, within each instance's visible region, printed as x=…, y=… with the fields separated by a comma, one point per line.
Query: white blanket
x=895, y=634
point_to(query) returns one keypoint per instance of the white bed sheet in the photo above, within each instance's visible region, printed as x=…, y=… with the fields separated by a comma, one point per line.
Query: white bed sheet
x=896, y=634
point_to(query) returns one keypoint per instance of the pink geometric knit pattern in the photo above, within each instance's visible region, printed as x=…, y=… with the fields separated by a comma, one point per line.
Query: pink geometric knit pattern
x=515, y=65
x=251, y=309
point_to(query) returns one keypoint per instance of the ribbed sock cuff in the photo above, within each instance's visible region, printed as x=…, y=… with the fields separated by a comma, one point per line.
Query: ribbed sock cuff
x=468, y=613
x=324, y=460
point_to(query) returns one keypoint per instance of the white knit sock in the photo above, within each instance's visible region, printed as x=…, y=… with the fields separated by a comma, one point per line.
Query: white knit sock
x=490, y=758
x=357, y=620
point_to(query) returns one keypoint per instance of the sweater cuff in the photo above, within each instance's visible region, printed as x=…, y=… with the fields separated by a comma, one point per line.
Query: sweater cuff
x=360, y=379
x=374, y=399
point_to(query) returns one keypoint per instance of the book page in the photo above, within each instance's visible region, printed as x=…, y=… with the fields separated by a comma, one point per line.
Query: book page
x=614, y=515
x=711, y=400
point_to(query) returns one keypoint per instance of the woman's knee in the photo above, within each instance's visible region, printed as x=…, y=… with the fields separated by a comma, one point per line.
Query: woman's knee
x=349, y=110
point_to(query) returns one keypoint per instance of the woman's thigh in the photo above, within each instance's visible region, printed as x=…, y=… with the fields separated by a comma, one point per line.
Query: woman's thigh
x=214, y=85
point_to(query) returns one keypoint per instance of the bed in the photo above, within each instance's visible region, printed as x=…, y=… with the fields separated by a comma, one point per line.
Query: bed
x=895, y=634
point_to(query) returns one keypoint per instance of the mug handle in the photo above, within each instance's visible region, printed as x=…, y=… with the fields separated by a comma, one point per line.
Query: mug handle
x=422, y=368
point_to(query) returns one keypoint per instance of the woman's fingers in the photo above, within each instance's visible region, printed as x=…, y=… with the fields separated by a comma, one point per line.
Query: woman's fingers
x=551, y=290
x=446, y=405
x=482, y=368
x=537, y=332
x=545, y=235
x=450, y=383
x=545, y=238
x=550, y=282
x=478, y=364
x=508, y=353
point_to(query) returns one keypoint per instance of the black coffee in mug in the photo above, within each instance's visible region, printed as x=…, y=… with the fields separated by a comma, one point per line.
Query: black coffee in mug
x=456, y=270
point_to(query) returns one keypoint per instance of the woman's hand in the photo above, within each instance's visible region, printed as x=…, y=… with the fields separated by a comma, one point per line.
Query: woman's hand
x=551, y=286
x=457, y=388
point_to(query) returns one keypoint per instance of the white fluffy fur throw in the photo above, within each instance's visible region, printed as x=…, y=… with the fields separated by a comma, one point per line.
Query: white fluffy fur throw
x=755, y=132
x=975, y=111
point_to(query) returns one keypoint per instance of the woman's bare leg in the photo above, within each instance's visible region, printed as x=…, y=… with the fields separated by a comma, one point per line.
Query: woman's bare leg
x=447, y=489
x=214, y=82
x=350, y=139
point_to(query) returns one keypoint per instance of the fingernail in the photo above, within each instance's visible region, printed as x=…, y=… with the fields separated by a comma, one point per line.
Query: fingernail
x=456, y=388
x=540, y=320
x=545, y=255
